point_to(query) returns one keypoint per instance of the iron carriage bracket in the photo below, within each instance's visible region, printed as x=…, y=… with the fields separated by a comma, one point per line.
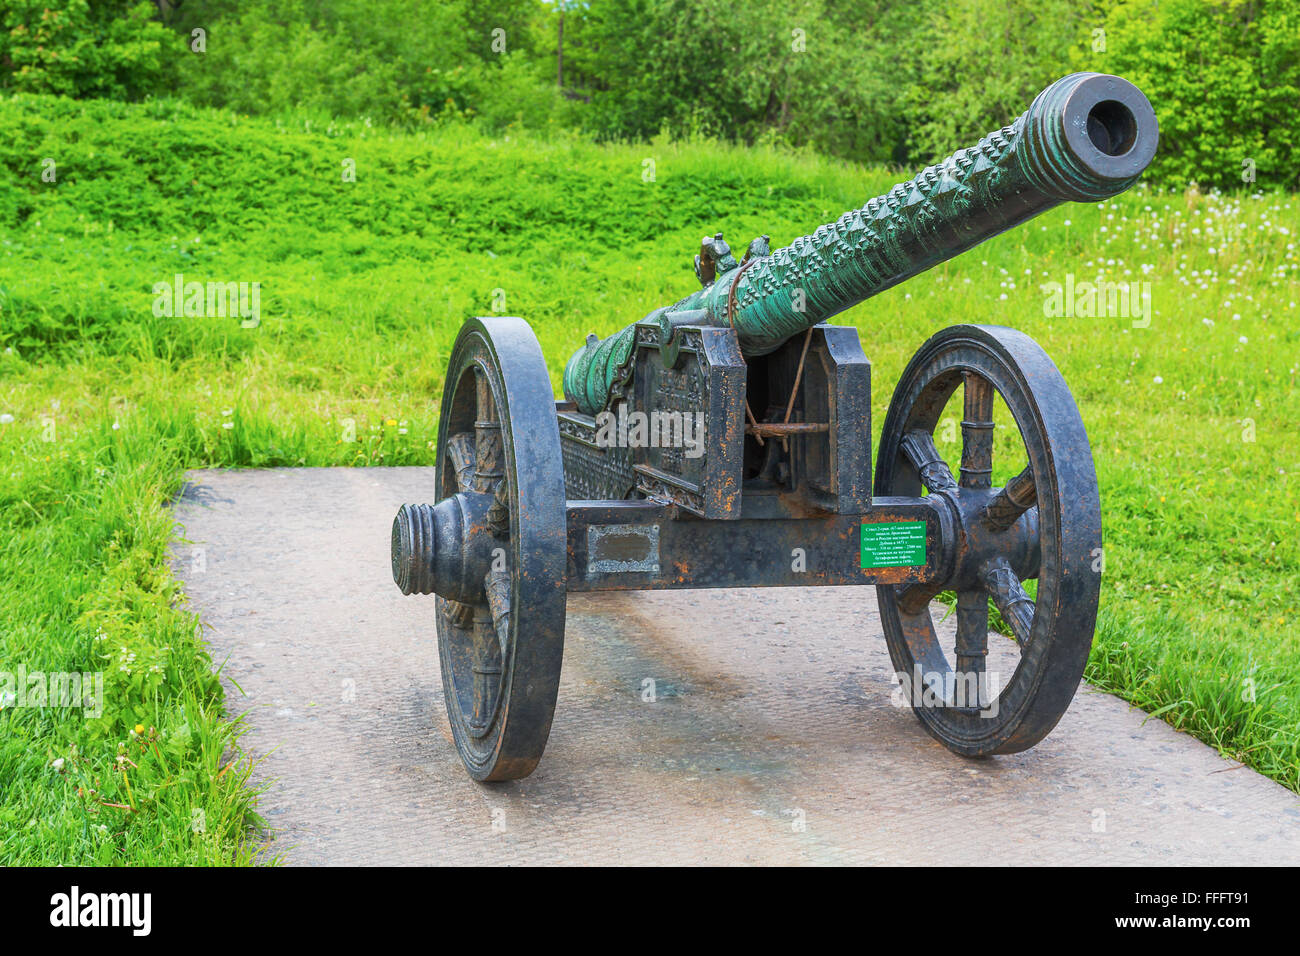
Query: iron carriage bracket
x=687, y=381
x=707, y=520
x=649, y=545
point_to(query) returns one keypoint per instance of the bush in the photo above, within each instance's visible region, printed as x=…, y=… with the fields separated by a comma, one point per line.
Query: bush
x=407, y=61
x=514, y=92
x=821, y=73
x=1224, y=78
x=78, y=48
x=977, y=66
x=903, y=82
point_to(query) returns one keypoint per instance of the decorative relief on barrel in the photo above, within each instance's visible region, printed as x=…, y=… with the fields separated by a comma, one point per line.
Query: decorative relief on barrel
x=1086, y=137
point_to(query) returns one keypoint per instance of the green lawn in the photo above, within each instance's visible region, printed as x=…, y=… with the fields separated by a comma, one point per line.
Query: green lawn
x=363, y=286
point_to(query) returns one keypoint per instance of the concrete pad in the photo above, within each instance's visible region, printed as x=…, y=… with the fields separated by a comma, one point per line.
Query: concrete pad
x=772, y=737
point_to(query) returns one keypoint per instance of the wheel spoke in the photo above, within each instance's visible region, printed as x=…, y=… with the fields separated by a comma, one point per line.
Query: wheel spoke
x=915, y=598
x=488, y=451
x=485, y=651
x=918, y=446
x=1014, y=499
x=977, y=432
x=498, y=515
x=456, y=614
x=971, y=647
x=461, y=619
x=497, y=586
x=1016, y=607
x=460, y=450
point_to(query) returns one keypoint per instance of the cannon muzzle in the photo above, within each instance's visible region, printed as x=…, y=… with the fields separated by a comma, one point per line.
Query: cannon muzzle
x=1085, y=138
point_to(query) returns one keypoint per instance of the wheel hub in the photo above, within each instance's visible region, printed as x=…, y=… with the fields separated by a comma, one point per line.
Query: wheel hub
x=982, y=540
x=444, y=549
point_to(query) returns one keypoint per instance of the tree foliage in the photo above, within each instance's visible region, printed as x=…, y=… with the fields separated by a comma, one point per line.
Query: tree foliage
x=1224, y=78
x=110, y=48
x=878, y=81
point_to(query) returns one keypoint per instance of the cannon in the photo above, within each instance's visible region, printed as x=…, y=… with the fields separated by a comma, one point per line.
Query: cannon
x=725, y=441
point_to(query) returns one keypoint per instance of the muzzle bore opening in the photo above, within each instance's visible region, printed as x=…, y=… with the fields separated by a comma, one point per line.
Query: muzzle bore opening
x=1112, y=127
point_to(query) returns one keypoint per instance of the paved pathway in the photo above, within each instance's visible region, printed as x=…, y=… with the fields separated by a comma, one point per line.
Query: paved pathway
x=772, y=739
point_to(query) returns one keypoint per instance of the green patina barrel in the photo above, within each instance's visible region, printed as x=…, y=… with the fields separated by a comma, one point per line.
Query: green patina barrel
x=1085, y=138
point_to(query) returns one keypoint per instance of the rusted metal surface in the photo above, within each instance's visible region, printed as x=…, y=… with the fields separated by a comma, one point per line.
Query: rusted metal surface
x=710, y=446
x=493, y=549
x=776, y=429
x=1002, y=539
x=780, y=548
x=691, y=452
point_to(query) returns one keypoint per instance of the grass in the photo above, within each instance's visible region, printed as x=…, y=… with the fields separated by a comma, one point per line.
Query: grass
x=103, y=405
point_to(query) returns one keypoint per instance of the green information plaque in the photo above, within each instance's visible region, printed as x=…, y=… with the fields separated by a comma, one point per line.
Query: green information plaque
x=893, y=544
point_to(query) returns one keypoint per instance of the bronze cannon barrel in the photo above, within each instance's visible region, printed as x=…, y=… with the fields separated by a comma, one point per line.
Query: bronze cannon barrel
x=1085, y=138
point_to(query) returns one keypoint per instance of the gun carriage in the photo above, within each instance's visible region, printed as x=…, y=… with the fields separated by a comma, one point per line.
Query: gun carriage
x=725, y=441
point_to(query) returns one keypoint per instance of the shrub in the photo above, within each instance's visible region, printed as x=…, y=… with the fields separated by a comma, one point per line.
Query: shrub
x=1224, y=78
x=78, y=48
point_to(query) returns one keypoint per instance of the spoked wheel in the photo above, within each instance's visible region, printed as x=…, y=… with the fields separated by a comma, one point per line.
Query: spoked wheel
x=493, y=549
x=1044, y=523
